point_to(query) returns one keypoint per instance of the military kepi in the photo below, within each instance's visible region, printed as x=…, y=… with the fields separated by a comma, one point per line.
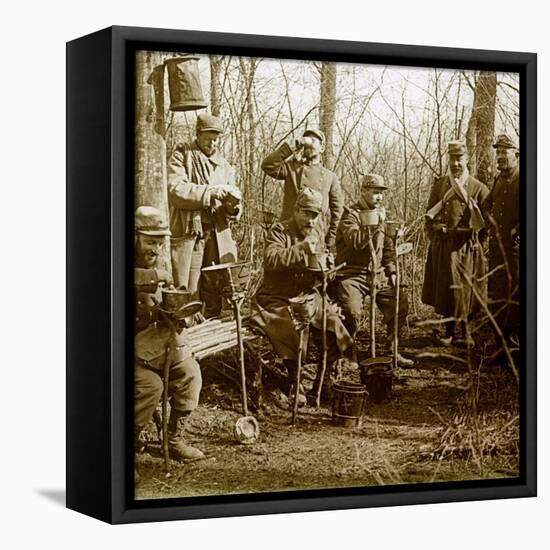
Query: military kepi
x=504, y=142
x=373, y=181
x=456, y=148
x=315, y=132
x=149, y=221
x=209, y=123
x=310, y=199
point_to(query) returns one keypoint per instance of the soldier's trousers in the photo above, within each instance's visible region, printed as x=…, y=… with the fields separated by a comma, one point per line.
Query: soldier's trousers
x=350, y=294
x=189, y=255
x=184, y=387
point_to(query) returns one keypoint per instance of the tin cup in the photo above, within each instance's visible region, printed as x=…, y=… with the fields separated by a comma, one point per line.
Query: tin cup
x=317, y=261
x=369, y=218
x=175, y=299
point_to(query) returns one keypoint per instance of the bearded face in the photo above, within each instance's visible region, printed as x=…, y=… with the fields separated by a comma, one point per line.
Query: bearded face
x=207, y=140
x=458, y=164
x=305, y=220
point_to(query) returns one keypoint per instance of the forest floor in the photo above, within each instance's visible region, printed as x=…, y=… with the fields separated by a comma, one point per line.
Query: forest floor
x=424, y=433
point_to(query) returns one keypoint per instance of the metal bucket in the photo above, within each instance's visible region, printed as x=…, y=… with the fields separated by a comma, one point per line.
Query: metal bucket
x=348, y=404
x=184, y=84
x=376, y=375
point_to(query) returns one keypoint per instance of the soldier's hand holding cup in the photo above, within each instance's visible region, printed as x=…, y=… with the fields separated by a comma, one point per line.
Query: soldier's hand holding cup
x=232, y=202
x=299, y=143
x=438, y=226
x=310, y=244
x=217, y=193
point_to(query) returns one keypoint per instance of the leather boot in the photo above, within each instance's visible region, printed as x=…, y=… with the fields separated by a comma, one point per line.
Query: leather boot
x=139, y=446
x=176, y=445
x=292, y=370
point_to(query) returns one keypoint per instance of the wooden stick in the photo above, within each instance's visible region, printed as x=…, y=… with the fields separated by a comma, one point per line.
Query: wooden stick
x=396, y=317
x=298, y=376
x=372, y=296
x=324, y=336
x=166, y=380
x=204, y=326
x=237, y=308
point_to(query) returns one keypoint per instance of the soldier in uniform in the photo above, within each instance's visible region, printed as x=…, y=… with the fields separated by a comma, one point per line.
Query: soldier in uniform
x=201, y=187
x=352, y=283
x=154, y=337
x=454, y=224
x=300, y=166
x=502, y=207
x=288, y=244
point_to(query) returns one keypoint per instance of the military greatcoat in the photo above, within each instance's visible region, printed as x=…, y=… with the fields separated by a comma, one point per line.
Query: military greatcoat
x=450, y=252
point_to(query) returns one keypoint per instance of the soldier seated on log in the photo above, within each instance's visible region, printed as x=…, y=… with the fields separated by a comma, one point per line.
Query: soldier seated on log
x=155, y=337
x=353, y=246
x=286, y=276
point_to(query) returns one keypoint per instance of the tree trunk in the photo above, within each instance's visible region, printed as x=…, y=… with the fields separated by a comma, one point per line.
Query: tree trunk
x=481, y=128
x=486, y=93
x=150, y=161
x=215, y=91
x=327, y=109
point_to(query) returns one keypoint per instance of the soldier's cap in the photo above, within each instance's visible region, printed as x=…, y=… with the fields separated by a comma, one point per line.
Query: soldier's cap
x=319, y=134
x=149, y=221
x=373, y=181
x=456, y=148
x=310, y=199
x=504, y=141
x=209, y=123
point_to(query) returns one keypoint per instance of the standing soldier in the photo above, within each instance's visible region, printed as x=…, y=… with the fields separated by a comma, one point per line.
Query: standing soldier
x=288, y=244
x=151, y=340
x=352, y=284
x=201, y=187
x=307, y=171
x=502, y=207
x=453, y=223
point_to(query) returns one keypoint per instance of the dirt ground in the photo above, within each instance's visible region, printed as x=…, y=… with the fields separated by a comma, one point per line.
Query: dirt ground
x=419, y=435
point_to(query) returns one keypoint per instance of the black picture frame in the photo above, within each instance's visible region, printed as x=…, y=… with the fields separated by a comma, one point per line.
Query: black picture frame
x=99, y=290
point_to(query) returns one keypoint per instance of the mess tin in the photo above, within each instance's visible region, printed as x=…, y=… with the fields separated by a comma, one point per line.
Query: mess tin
x=369, y=217
x=317, y=261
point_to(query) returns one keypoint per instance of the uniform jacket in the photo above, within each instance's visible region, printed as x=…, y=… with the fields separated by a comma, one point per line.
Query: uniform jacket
x=285, y=277
x=284, y=263
x=455, y=213
x=152, y=335
x=503, y=206
x=190, y=171
x=282, y=166
x=353, y=246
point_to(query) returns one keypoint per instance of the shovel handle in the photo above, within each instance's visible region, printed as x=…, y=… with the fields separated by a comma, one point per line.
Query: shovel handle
x=298, y=377
x=325, y=351
x=238, y=318
x=165, y=381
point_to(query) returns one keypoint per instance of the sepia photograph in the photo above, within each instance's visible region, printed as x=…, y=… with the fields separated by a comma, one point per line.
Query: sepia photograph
x=327, y=267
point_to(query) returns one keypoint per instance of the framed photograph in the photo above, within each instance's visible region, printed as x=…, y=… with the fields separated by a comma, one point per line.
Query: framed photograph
x=301, y=274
